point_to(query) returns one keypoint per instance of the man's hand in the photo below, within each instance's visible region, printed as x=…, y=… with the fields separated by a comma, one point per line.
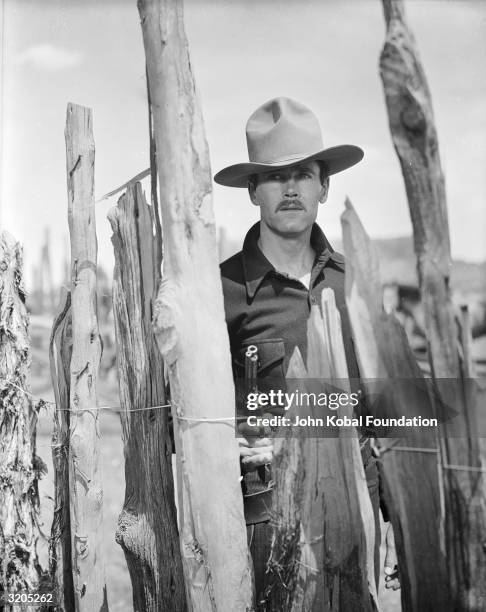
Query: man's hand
x=256, y=448
x=392, y=579
x=255, y=452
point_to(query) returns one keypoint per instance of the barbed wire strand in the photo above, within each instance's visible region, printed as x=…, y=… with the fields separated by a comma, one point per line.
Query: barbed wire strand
x=121, y=409
x=445, y=466
x=465, y=468
x=229, y=420
x=408, y=449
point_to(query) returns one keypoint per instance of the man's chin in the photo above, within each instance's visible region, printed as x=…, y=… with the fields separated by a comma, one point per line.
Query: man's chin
x=292, y=230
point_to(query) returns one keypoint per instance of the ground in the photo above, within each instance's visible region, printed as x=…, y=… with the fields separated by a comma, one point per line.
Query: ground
x=117, y=577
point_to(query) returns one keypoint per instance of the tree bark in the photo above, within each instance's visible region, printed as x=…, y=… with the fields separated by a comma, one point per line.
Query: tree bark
x=86, y=492
x=387, y=365
x=19, y=467
x=190, y=327
x=322, y=552
x=415, y=138
x=60, y=552
x=147, y=526
x=465, y=340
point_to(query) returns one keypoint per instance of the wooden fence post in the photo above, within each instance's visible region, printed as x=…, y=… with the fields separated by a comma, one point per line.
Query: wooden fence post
x=60, y=551
x=190, y=327
x=147, y=527
x=19, y=466
x=84, y=472
x=322, y=551
x=415, y=138
x=410, y=477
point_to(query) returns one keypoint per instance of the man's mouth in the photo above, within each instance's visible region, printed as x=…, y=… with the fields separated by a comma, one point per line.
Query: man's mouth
x=290, y=206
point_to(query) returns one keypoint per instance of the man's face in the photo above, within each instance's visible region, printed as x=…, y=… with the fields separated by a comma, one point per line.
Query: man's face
x=289, y=198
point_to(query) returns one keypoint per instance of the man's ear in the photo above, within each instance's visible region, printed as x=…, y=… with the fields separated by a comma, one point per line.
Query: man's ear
x=324, y=190
x=252, y=194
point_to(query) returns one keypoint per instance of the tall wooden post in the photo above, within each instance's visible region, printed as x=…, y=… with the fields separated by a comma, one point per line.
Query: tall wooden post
x=322, y=551
x=415, y=138
x=19, y=467
x=60, y=551
x=190, y=327
x=147, y=527
x=410, y=477
x=84, y=472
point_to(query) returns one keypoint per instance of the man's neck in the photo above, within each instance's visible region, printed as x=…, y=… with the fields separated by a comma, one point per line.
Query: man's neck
x=291, y=255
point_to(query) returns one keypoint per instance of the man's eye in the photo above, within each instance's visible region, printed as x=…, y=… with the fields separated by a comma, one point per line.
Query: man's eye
x=304, y=175
x=274, y=177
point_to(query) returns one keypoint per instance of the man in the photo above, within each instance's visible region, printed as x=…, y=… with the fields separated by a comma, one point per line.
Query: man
x=270, y=286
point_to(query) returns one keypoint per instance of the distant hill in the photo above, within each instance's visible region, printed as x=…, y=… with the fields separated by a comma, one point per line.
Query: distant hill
x=397, y=259
x=398, y=264
x=469, y=277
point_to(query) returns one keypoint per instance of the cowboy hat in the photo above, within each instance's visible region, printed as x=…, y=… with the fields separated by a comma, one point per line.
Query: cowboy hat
x=281, y=133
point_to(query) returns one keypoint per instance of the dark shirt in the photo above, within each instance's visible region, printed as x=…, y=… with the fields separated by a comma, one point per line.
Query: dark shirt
x=269, y=309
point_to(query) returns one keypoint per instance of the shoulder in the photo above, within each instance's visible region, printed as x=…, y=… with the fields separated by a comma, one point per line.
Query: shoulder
x=233, y=278
x=334, y=272
x=234, y=289
x=336, y=265
x=338, y=258
x=232, y=269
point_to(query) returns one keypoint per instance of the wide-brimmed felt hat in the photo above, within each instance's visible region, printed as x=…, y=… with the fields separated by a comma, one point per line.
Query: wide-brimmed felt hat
x=281, y=133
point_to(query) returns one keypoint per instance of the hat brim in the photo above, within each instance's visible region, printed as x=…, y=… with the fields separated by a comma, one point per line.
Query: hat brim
x=336, y=159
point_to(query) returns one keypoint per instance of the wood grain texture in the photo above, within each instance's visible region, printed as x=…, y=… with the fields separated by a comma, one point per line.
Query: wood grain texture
x=19, y=467
x=411, y=484
x=147, y=526
x=190, y=327
x=414, y=135
x=85, y=482
x=322, y=550
x=60, y=551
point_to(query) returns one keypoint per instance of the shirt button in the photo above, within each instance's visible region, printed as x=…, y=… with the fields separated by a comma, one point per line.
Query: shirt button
x=313, y=300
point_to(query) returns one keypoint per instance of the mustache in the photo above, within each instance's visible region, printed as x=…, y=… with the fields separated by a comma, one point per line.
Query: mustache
x=290, y=204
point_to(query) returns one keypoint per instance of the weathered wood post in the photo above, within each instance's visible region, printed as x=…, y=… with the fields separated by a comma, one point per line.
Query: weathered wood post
x=19, y=466
x=322, y=551
x=60, y=551
x=190, y=327
x=415, y=138
x=147, y=527
x=409, y=469
x=86, y=492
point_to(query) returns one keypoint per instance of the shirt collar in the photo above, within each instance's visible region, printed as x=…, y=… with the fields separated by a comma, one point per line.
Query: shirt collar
x=256, y=266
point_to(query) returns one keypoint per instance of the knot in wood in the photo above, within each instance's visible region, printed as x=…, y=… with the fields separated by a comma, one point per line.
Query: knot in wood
x=69, y=332
x=81, y=546
x=97, y=492
x=413, y=118
x=196, y=550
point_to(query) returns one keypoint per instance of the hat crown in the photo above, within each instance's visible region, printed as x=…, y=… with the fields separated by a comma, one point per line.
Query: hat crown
x=280, y=130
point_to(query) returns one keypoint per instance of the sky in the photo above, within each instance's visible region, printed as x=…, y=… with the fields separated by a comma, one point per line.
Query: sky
x=244, y=52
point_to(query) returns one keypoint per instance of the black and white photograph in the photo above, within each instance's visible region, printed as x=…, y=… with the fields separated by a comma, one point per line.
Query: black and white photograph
x=243, y=306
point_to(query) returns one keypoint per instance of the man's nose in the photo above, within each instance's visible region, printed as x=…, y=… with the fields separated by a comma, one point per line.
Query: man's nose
x=290, y=188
